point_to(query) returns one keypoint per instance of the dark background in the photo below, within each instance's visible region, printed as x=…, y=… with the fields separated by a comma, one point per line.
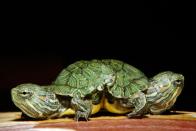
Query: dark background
x=154, y=37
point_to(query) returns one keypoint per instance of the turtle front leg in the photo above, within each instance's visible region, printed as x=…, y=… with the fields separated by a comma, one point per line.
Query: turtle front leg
x=139, y=102
x=83, y=108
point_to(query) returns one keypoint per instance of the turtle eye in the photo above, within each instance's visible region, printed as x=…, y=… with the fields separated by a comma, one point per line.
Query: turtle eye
x=178, y=82
x=25, y=93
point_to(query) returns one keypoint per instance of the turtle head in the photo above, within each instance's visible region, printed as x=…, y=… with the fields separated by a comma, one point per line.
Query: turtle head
x=164, y=90
x=35, y=101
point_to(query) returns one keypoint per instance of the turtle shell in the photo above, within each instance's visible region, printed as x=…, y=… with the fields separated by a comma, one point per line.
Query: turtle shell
x=85, y=77
x=82, y=78
x=129, y=80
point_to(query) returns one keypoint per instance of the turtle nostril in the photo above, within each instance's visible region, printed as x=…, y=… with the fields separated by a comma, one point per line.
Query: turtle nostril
x=181, y=77
x=14, y=91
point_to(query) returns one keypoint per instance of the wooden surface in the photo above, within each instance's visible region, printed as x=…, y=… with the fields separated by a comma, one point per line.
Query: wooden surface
x=179, y=121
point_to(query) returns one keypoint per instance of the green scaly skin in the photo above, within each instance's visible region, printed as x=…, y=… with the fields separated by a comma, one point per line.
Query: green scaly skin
x=83, y=83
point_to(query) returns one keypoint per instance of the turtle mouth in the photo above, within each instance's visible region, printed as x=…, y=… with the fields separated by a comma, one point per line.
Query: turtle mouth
x=28, y=111
x=24, y=107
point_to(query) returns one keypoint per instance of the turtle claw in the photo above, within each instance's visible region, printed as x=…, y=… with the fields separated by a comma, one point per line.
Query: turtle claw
x=141, y=108
x=134, y=115
x=80, y=114
x=83, y=108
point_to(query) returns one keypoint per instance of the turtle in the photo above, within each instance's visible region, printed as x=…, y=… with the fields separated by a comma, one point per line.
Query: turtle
x=87, y=86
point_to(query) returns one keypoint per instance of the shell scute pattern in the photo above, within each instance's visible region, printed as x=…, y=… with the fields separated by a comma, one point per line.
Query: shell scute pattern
x=84, y=76
x=87, y=76
x=129, y=79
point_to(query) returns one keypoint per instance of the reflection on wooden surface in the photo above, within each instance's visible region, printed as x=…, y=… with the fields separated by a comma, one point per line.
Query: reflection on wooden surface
x=175, y=121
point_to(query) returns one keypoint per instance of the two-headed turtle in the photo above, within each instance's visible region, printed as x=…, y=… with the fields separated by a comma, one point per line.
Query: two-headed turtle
x=84, y=87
